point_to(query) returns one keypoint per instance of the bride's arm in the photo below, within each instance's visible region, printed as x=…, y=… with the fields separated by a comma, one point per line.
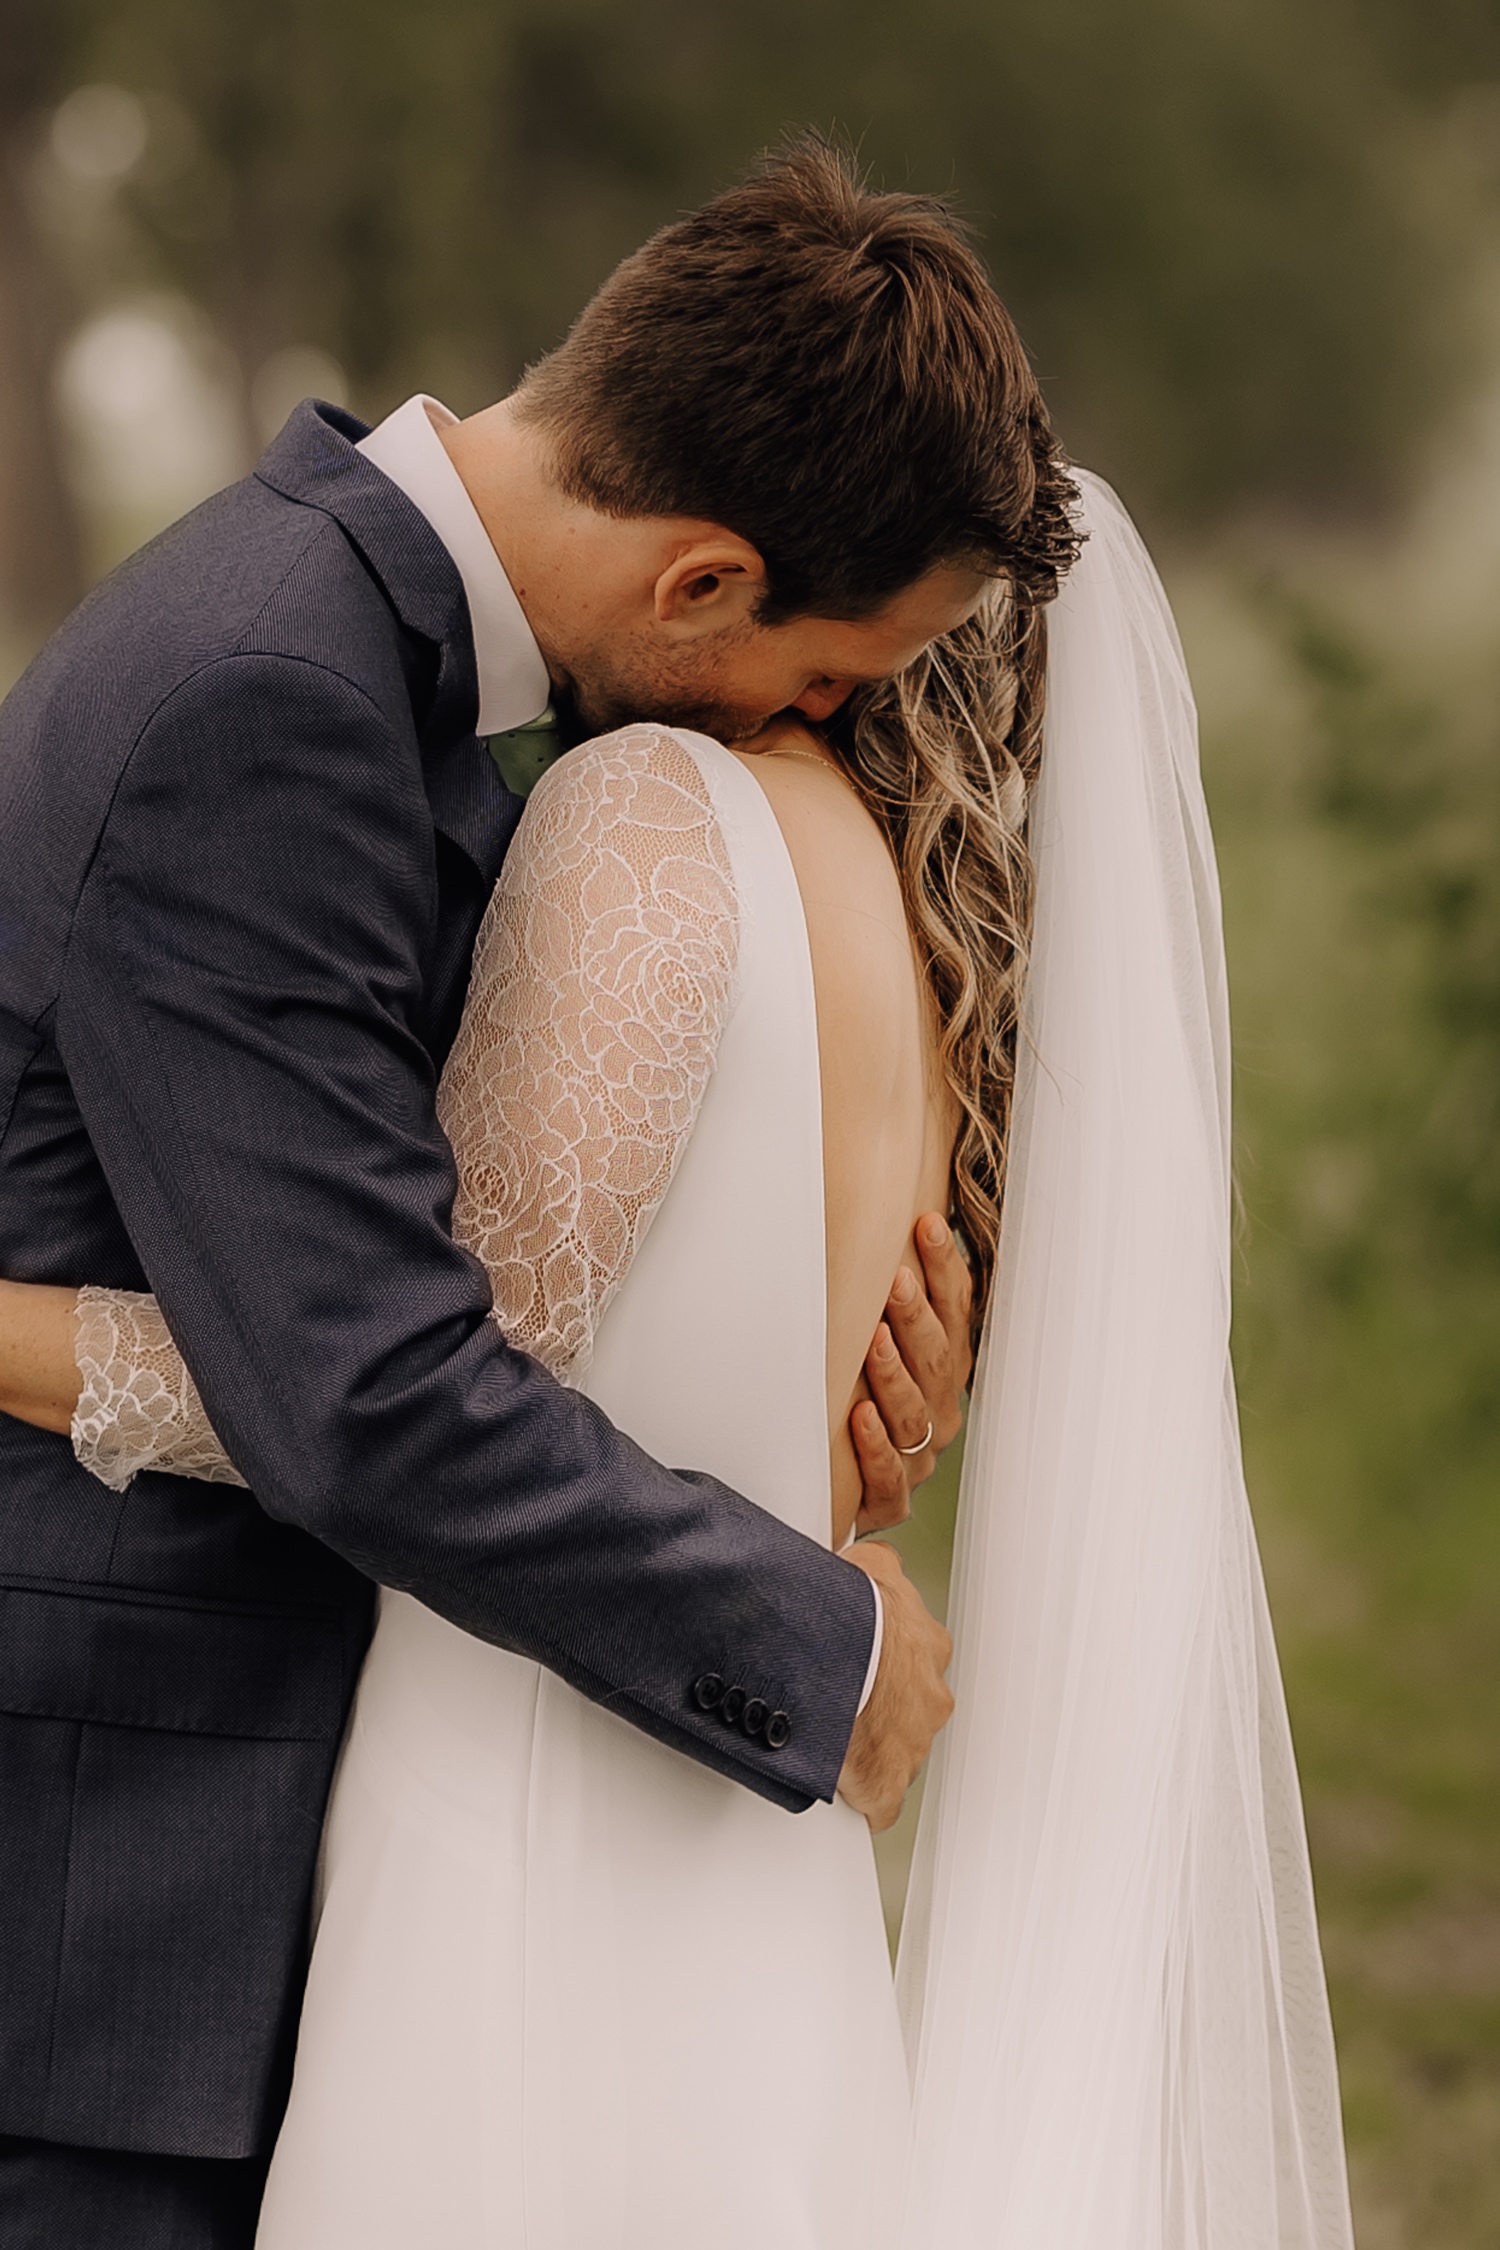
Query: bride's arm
x=599, y=989
x=39, y=1380
x=601, y=982
x=101, y=1366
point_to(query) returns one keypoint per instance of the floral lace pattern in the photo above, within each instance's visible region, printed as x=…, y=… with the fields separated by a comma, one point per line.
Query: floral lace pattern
x=601, y=981
x=139, y=1407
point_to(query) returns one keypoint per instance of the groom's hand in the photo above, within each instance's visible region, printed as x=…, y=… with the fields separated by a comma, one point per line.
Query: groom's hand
x=916, y=1369
x=909, y=1701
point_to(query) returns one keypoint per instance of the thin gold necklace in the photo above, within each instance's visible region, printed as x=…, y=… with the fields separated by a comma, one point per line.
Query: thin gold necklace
x=808, y=757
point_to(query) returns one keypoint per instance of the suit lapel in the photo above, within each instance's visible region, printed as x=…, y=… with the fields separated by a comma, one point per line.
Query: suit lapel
x=316, y=462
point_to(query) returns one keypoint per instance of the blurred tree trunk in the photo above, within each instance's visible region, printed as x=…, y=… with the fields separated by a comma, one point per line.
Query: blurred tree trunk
x=41, y=562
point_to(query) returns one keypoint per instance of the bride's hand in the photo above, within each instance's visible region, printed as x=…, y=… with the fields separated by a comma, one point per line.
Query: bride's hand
x=917, y=1368
x=39, y=1381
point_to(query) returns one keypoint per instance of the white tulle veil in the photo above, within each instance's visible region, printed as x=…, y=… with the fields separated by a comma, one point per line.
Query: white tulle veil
x=1109, y=1973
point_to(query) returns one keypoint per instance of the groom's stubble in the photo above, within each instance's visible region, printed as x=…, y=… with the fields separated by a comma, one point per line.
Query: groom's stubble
x=633, y=679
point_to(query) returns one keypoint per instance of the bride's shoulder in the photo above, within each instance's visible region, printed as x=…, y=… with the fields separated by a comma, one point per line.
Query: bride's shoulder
x=649, y=773
x=834, y=840
x=638, y=810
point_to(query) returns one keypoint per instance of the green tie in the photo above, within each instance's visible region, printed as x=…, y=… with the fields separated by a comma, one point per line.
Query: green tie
x=523, y=754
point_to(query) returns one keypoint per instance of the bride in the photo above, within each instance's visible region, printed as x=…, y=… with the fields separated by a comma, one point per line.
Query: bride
x=736, y=1016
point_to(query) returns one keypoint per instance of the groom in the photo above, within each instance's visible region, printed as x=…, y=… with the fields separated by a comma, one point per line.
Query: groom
x=247, y=833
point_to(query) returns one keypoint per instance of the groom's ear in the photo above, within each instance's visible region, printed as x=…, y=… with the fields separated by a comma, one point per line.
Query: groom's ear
x=708, y=584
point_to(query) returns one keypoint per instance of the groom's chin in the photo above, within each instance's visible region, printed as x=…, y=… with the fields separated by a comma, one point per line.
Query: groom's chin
x=601, y=714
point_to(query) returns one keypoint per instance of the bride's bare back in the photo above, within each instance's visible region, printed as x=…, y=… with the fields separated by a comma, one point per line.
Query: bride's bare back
x=888, y=1121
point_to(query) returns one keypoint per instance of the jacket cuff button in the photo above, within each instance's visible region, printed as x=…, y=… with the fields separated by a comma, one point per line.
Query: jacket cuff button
x=778, y=1730
x=708, y=1693
x=732, y=1707
x=756, y=1714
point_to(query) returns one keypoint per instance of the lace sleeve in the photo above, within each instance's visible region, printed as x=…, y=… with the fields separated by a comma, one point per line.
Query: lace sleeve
x=600, y=985
x=599, y=989
x=139, y=1407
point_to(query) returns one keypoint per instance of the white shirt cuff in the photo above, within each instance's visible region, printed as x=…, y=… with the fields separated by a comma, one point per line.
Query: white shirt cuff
x=874, y=1666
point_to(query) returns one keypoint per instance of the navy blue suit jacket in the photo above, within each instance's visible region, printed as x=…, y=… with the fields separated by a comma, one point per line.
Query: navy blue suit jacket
x=246, y=838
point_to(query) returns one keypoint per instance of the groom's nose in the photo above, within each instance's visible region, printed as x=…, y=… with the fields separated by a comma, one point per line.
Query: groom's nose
x=821, y=698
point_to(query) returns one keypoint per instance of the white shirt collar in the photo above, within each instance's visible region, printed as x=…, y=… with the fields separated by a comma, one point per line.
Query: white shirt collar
x=513, y=682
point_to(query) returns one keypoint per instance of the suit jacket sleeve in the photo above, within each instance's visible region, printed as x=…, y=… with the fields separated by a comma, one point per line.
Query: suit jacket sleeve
x=241, y=1018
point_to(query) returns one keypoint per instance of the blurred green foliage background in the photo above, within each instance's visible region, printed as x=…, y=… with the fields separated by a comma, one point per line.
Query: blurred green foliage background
x=1254, y=245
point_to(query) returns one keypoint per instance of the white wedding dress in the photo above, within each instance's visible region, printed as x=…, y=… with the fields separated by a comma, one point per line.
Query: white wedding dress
x=569, y=1990
x=572, y=1992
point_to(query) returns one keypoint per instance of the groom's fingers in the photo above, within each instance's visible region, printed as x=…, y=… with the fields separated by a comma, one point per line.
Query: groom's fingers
x=928, y=1369
x=910, y=1700
x=950, y=1290
x=886, y=1498
x=905, y=1411
x=916, y=1369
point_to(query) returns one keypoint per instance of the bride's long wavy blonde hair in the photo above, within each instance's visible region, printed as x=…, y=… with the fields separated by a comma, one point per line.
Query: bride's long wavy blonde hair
x=945, y=756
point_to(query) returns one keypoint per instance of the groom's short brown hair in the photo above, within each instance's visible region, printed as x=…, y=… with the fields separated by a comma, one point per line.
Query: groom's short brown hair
x=826, y=371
